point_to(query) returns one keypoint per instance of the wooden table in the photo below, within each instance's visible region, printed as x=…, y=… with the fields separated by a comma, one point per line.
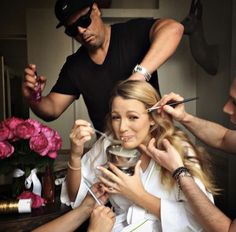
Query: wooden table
x=30, y=221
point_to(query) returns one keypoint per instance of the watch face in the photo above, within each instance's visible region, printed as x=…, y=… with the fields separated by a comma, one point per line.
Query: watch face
x=143, y=71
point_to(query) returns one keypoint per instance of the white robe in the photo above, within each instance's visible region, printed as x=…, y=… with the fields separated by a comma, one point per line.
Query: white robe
x=176, y=215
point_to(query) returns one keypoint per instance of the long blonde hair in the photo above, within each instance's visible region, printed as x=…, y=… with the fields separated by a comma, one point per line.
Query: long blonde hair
x=164, y=128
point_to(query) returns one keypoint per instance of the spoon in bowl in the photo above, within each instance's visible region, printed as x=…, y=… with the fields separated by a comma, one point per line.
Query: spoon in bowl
x=114, y=141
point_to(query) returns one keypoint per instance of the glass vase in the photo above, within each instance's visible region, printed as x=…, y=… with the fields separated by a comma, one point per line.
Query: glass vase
x=48, y=186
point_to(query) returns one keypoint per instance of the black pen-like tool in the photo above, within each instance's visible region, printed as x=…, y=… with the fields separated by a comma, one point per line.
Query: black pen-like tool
x=172, y=104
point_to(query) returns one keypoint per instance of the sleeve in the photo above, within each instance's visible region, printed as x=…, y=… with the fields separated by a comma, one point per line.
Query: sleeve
x=177, y=216
x=93, y=158
x=137, y=31
x=65, y=83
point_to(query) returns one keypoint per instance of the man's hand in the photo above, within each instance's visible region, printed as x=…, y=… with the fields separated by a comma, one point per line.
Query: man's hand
x=30, y=83
x=178, y=112
x=168, y=158
x=102, y=219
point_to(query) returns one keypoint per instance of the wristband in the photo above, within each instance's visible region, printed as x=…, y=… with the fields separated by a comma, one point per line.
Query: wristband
x=138, y=68
x=72, y=168
x=177, y=175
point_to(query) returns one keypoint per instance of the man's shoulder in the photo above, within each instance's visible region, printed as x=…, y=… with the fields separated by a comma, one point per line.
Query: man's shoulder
x=134, y=22
x=74, y=57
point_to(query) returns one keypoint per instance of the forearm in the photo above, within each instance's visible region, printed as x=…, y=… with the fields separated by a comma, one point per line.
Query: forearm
x=149, y=202
x=73, y=178
x=210, y=133
x=233, y=226
x=209, y=216
x=51, y=106
x=43, y=109
x=68, y=222
x=165, y=36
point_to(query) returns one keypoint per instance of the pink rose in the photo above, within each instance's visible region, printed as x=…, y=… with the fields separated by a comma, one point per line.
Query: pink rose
x=56, y=142
x=48, y=132
x=24, y=130
x=4, y=132
x=37, y=125
x=6, y=150
x=39, y=144
x=52, y=154
x=37, y=201
x=11, y=123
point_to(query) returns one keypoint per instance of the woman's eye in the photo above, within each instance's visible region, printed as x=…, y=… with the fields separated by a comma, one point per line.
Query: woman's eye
x=115, y=117
x=133, y=117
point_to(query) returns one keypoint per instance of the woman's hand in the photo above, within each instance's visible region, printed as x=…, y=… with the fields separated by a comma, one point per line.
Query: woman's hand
x=116, y=181
x=80, y=134
x=168, y=158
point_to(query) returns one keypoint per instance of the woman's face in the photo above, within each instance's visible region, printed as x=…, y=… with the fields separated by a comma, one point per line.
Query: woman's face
x=130, y=122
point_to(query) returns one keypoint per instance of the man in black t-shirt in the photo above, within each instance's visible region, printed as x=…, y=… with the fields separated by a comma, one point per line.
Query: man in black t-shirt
x=135, y=50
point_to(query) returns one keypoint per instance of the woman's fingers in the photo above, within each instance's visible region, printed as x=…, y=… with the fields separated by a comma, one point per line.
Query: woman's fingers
x=137, y=168
x=115, y=170
x=110, y=186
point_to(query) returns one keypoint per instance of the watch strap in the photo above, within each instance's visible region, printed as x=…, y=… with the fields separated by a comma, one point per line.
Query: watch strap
x=140, y=69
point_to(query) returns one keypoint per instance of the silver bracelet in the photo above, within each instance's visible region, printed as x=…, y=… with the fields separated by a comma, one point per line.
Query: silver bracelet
x=138, y=68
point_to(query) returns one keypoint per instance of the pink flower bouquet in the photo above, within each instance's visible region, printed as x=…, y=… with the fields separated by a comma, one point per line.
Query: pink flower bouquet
x=27, y=144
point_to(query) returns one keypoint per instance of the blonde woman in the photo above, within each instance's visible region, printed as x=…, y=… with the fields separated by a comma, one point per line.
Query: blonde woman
x=150, y=200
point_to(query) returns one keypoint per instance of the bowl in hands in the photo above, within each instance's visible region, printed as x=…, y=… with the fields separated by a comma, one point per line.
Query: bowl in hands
x=124, y=159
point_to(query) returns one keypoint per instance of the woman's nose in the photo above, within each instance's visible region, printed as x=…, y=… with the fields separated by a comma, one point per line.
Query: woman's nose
x=123, y=125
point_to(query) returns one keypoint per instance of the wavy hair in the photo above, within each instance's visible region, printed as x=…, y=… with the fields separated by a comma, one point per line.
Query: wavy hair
x=198, y=163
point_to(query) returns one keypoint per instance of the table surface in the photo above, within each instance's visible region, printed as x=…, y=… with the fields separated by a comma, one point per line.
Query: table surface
x=29, y=221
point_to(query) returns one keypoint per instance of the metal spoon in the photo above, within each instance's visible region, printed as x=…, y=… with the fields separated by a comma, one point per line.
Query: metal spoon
x=114, y=141
x=88, y=186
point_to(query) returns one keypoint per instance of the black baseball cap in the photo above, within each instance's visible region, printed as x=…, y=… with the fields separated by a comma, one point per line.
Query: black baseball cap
x=64, y=9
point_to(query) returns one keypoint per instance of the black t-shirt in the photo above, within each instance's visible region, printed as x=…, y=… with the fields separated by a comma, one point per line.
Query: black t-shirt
x=129, y=43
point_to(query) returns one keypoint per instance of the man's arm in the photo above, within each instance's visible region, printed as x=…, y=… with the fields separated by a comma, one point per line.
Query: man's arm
x=71, y=220
x=49, y=107
x=209, y=132
x=102, y=218
x=165, y=36
x=208, y=215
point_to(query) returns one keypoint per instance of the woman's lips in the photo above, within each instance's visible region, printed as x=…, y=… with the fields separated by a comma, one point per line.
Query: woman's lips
x=125, y=138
